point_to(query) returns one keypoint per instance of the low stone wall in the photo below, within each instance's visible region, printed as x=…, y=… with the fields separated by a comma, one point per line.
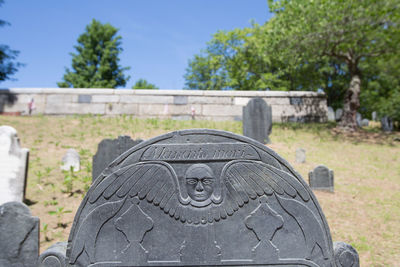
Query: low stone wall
x=177, y=104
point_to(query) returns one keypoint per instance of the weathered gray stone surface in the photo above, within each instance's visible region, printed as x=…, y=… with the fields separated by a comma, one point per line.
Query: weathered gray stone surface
x=387, y=124
x=19, y=236
x=200, y=198
x=257, y=120
x=54, y=256
x=300, y=155
x=70, y=160
x=331, y=114
x=321, y=178
x=364, y=122
x=108, y=150
x=13, y=166
x=338, y=114
x=345, y=255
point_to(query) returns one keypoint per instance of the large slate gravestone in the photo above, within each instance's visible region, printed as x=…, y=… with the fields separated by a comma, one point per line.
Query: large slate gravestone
x=19, y=236
x=13, y=166
x=108, y=150
x=257, y=120
x=198, y=198
x=321, y=178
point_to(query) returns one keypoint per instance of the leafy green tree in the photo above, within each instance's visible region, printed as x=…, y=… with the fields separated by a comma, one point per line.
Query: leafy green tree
x=349, y=32
x=96, y=63
x=8, y=66
x=382, y=92
x=143, y=84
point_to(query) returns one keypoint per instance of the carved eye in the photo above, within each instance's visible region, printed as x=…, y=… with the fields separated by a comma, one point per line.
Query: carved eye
x=191, y=181
x=207, y=181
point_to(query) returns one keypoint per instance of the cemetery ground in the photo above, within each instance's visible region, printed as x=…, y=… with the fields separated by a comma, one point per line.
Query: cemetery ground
x=364, y=210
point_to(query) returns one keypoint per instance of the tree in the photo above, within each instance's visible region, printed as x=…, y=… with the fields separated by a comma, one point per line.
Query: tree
x=7, y=56
x=382, y=86
x=349, y=32
x=143, y=84
x=96, y=63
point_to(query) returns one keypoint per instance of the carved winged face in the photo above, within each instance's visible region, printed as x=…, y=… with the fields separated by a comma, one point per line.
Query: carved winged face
x=200, y=181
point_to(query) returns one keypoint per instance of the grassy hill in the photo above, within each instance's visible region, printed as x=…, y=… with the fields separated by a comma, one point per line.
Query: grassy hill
x=364, y=210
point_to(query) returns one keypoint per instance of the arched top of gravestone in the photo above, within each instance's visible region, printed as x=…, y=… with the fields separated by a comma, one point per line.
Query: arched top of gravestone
x=205, y=190
x=9, y=141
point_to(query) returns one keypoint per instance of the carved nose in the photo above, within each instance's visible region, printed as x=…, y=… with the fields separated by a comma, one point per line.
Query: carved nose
x=199, y=186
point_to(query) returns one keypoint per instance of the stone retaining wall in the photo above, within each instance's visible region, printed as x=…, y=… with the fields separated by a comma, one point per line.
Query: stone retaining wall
x=177, y=104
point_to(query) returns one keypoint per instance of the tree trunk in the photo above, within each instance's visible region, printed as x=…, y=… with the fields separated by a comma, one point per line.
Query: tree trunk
x=351, y=103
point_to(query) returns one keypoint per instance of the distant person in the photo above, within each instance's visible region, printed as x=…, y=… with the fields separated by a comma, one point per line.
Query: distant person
x=31, y=106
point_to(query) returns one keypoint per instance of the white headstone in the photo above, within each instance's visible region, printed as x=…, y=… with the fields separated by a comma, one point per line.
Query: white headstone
x=338, y=114
x=13, y=166
x=71, y=159
x=374, y=116
x=300, y=155
x=331, y=114
x=358, y=119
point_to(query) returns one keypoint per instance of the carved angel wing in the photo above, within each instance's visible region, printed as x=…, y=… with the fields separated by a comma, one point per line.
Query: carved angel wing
x=245, y=180
x=154, y=182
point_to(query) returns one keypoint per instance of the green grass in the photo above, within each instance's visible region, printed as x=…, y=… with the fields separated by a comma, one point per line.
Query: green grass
x=364, y=210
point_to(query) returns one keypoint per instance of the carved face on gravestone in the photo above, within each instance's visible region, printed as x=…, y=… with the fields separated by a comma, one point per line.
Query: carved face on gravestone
x=200, y=181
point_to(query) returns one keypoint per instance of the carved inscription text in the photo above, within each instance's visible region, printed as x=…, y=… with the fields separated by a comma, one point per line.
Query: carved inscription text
x=195, y=152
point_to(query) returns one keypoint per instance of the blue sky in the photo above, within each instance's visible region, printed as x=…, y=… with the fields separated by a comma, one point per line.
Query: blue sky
x=158, y=36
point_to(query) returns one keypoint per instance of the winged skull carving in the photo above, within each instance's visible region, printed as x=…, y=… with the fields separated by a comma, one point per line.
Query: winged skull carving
x=200, y=198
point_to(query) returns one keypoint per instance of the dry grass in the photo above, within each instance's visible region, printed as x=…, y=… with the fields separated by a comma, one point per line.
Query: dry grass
x=364, y=210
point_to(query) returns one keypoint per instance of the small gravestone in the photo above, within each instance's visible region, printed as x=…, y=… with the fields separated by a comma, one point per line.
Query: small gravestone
x=300, y=155
x=198, y=198
x=331, y=114
x=387, y=124
x=71, y=160
x=108, y=150
x=358, y=119
x=19, y=236
x=338, y=114
x=257, y=120
x=364, y=123
x=13, y=166
x=321, y=178
x=374, y=116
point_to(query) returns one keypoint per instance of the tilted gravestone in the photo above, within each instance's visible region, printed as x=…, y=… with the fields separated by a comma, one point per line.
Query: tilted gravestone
x=257, y=120
x=19, y=236
x=321, y=178
x=108, y=150
x=300, y=155
x=71, y=161
x=199, y=198
x=13, y=166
